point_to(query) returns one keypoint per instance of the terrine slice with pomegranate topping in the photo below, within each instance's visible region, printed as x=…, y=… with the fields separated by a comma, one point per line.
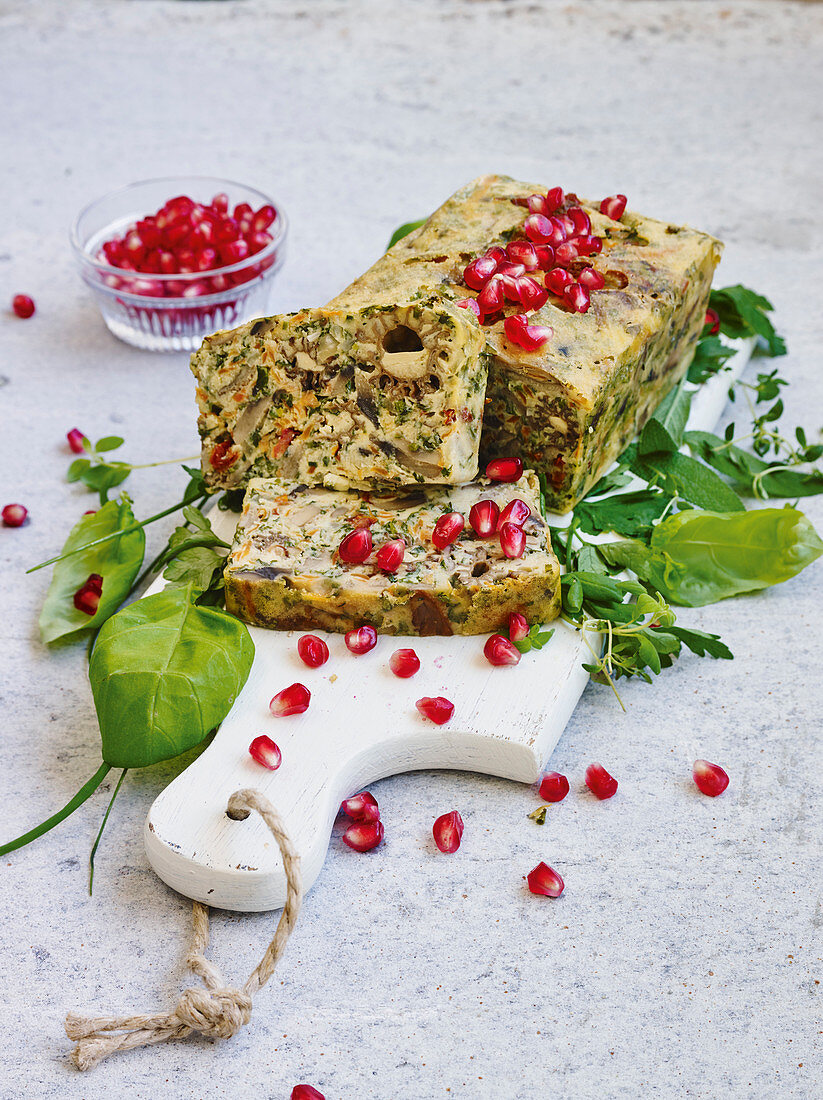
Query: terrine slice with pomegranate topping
x=285, y=568
x=571, y=405
x=390, y=394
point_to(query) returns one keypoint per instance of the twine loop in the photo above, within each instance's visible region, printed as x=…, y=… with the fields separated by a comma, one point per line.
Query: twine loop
x=215, y=1010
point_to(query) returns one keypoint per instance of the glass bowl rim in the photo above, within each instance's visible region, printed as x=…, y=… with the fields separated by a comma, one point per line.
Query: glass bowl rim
x=281, y=223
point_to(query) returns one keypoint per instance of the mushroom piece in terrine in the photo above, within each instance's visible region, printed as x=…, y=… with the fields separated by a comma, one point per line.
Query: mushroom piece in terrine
x=285, y=568
x=570, y=406
x=391, y=394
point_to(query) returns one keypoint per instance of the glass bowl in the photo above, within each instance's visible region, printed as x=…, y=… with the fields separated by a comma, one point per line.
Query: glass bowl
x=171, y=312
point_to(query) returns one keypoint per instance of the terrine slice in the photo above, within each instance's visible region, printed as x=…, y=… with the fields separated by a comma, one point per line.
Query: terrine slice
x=569, y=407
x=284, y=569
x=390, y=394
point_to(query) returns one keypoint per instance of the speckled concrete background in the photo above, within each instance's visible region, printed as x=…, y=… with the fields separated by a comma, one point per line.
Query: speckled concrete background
x=684, y=958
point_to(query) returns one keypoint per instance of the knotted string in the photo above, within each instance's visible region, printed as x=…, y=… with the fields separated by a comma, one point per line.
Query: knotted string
x=217, y=1010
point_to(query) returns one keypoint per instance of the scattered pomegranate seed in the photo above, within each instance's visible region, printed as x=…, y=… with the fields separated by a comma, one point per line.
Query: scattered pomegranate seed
x=511, y=291
x=713, y=321
x=559, y=232
x=531, y=294
x=545, y=256
x=390, y=555
x=599, y=782
x=312, y=650
x=557, y=280
x=306, y=1092
x=361, y=639
x=516, y=511
x=589, y=245
x=469, y=303
x=14, y=515
x=545, y=880
x=581, y=222
x=447, y=529
x=524, y=253
x=437, y=709
x=265, y=752
x=554, y=199
x=404, y=663
x=22, y=305
x=364, y=835
x=477, y=274
x=565, y=253
x=538, y=228
x=710, y=778
x=356, y=547
x=483, y=517
x=87, y=596
x=510, y=269
x=500, y=651
x=518, y=626
x=496, y=253
x=263, y=218
x=361, y=807
x=554, y=787
x=291, y=700
x=529, y=337
x=76, y=440
x=613, y=207
x=591, y=279
x=448, y=831
x=537, y=204
x=512, y=540
x=505, y=469
x=577, y=297
x=491, y=297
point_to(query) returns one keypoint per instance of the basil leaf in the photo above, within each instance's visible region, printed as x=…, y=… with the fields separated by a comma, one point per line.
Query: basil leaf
x=109, y=443
x=117, y=561
x=164, y=673
x=403, y=231
x=690, y=480
x=742, y=312
x=630, y=514
x=104, y=476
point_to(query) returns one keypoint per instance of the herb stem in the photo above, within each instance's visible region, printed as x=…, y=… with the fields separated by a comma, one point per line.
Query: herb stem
x=85, y=792
x=164, y=462
x=102, y=827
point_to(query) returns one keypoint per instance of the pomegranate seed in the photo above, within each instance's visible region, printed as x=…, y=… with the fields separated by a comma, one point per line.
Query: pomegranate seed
x=565, y=253
x=545, y=256
x=505, y=469
x=94, y=583
x=361, y=639
x=356, y=547
x=364, y=835
x=588, y=245
x=591, y=279
x=186, y=261
x=518, y=626
x=447, y=529
x=470, y=304
x=577, y=297
x=479, y=271
x=306, y=1092
x=496, y=253
x=206, y=259
x=168, y=264
x=22, y=305
x=538, y=228
x=76, y=440
x=133, y=246
x=511, y=290
x=516, y=511
x=500, y=651
x=554, y=199
x=568, y=224
x=179, y=206
x=599, y=782
x=713, y=321
x=202, y=236
x=581, y=222
x=710, y=778
x=531, y=294
x=404, y=663
x=558, y=233
x=258, y=241
x=220, y=283
x=149, y=233
x=195, y=290
x=263, y=218
x=447, y=832
x=513, y=270
x=512, y=540
x=234, y=251
x=361, y=807
x=227, y=230
x=390, y=555
x=520, y=332
x=557, y=280
x=291, y=700
x=176, y=233
x=537, y=204
x=113, y=252
x=613, y=207
x=220, y=202
x=554, y=787
x=312, y=650
x=491, y=297
x=437, y=709
x=545, y=880
x=14, y=515
x=483, y=517
x=265, y=752
x=87, y=596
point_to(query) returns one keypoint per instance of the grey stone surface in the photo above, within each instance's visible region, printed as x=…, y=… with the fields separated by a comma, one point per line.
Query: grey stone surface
x=684, y=959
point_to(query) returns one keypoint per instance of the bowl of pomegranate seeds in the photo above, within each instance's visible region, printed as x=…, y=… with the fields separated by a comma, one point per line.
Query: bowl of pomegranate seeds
x=171, y=260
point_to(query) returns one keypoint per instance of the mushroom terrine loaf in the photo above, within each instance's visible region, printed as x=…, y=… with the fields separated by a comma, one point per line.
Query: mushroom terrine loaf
x=607, y=354
x=287, y=568
x=386, y=395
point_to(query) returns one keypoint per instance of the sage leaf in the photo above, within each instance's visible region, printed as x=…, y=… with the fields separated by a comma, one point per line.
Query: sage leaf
x=164, y=673
x=117, y=561
x=685, y=477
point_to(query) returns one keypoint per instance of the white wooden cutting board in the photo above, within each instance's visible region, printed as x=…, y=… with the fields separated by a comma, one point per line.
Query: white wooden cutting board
x=361, y=725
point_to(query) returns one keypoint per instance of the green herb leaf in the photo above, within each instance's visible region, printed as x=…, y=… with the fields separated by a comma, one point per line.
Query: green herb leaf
x=117, y=561
x=753, y=474
x=664, y=430
x=742, y=312
x=109, y=443
x=535, y=639
x=630, y=514
x=702, y=643
x=710, y=357
x=538, y=816
x=153, y=699
x=685, y=477
x=403, y=231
